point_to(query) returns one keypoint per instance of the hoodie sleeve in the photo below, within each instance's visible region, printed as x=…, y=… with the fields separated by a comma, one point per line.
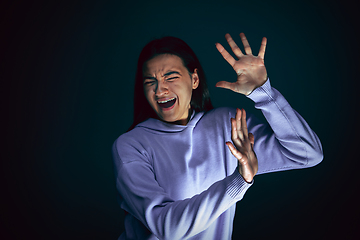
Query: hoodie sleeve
x=287, y=141
x=144, y=199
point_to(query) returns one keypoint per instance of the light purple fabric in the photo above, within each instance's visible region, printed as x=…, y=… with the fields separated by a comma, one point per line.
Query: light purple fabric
x=182, y=182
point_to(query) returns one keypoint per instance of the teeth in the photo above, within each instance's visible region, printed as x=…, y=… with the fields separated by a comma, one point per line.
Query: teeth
x=166, y=100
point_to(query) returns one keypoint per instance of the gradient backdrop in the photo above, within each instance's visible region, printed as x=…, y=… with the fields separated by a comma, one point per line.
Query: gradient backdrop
x=67, y=90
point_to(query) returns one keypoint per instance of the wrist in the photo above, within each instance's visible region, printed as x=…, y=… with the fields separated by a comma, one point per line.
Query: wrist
x=248, y=178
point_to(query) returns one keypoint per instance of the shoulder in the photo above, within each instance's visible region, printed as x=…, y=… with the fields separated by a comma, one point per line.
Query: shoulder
x=130, y=144
x=217, y=118
x=220, y=113
x=130, y=138
x=223, y=114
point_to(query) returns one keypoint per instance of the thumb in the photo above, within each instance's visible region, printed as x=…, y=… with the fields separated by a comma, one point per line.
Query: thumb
x=234, y=151
x=225, y=84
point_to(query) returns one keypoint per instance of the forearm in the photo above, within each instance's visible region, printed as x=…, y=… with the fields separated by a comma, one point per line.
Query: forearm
x=289, y=135
x=169, y=219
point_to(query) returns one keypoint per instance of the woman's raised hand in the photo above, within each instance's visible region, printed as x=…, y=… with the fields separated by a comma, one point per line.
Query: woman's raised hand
x=242, y=146
x=250, y=69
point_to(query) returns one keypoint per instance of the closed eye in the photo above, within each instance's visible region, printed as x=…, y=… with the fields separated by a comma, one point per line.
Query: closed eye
x=172, y=75
x=149, y=81
x=172, y=78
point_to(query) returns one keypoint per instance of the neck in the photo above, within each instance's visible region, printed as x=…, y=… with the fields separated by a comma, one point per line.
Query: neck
x=181, y=121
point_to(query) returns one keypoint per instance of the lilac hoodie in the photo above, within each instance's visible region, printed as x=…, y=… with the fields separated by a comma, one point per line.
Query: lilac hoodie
x=182, y=182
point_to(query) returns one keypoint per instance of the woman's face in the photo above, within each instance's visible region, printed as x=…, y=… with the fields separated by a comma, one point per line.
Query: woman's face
x=168, y=87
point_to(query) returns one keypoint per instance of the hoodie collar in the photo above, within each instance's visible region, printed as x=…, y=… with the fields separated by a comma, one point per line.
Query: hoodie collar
x=160, y=126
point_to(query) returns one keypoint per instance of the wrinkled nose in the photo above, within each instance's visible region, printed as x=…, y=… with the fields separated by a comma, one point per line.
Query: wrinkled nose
x=161, y=88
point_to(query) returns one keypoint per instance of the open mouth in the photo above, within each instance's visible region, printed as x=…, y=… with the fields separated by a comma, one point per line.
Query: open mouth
x=167, y=103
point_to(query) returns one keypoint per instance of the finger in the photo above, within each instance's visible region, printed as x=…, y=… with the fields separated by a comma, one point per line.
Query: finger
x=233, y=46
x=246, y=44
x=243, y=123
x=225, y=54
x=251, y=139
x=239, y=129
x=227, y=85
x=234, y=151
x=262, y=48
x=233, y=130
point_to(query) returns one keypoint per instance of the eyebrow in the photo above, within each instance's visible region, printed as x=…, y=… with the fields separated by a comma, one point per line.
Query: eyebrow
x=172, y=72
x=165, y=75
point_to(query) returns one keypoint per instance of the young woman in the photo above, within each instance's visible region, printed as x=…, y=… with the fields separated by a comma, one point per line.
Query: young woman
x=183, y=165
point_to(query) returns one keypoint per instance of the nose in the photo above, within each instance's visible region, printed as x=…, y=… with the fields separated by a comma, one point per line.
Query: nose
x=161, y=88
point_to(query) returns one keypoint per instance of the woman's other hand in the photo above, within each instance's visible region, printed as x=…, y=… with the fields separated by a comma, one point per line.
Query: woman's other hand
x=242, y=146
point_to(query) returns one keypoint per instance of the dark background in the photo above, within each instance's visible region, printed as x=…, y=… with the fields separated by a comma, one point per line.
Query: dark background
x=67, y=73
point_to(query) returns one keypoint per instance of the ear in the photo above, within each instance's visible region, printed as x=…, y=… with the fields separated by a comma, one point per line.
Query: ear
x=195, y=79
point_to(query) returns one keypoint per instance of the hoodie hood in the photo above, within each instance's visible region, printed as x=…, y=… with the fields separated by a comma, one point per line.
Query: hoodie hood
x=156, y=125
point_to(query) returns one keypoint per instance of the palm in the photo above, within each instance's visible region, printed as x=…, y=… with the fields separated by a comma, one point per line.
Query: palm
x=242, y=146
x=250, y=69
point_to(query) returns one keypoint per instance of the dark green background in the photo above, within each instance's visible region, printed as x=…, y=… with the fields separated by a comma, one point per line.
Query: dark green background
x=67, y=90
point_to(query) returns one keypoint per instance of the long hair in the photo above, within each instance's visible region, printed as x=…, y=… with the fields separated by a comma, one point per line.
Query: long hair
x=200, y=100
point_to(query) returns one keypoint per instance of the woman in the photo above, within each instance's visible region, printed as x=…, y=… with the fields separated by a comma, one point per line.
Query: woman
x=183, y=165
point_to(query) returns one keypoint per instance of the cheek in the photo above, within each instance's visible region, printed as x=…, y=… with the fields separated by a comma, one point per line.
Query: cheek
x=185, y=96
x=148, y=95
